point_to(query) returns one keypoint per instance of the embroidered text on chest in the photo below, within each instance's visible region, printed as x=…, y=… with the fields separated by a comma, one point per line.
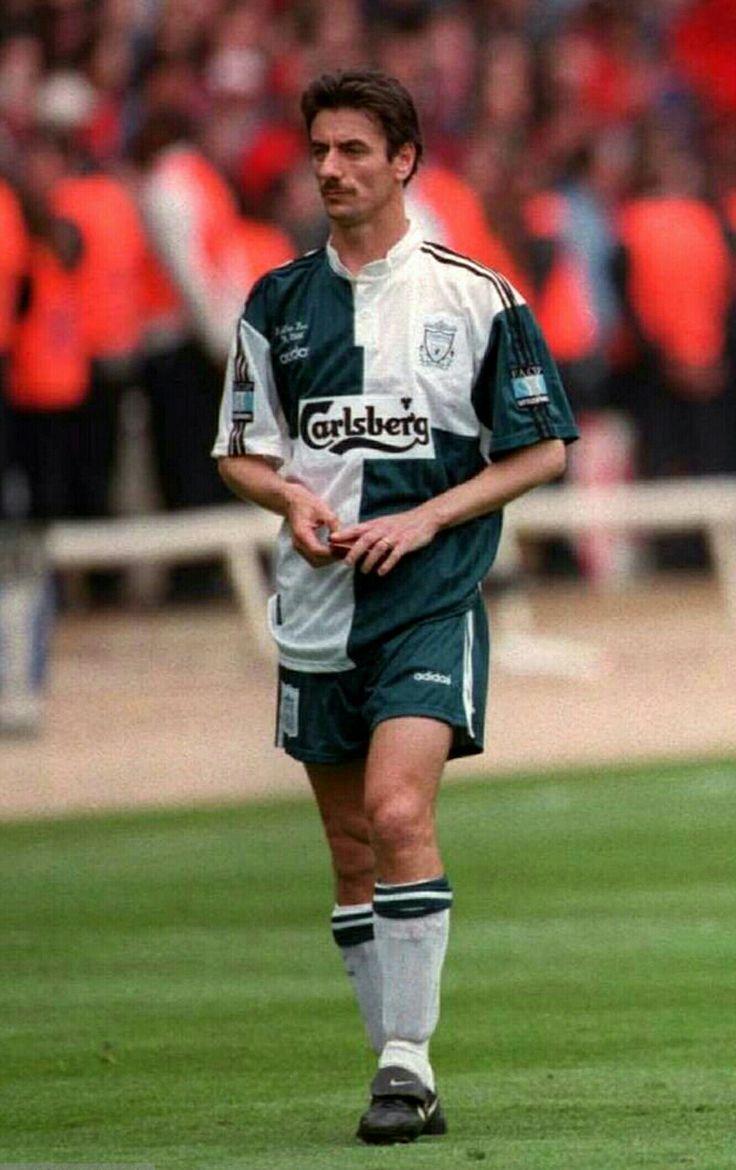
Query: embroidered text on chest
x=288, y=338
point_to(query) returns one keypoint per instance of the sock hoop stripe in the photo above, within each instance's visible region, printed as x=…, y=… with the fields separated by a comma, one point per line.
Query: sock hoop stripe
x=347, y=916
x=412, y=899
x=415, y=896
x=354, y=924
x=440, y=883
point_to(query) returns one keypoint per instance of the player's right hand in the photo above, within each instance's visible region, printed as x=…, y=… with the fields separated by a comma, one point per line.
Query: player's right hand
x=307, y=517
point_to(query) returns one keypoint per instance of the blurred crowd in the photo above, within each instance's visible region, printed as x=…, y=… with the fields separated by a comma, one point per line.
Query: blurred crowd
x=153, y=165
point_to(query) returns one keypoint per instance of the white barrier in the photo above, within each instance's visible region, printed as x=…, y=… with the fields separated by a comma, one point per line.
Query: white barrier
x=665, y=506
x=239, y=533
x=242, y=534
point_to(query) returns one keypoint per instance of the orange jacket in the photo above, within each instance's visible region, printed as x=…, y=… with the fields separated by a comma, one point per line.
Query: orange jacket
x=186, y=269
x=201, y=265
x=13, y=260
x=254, y=249
x=110, y=274
x=49, y=363
x=451, y=212
x=679, y=276
x=564, y=304
x=216, y=207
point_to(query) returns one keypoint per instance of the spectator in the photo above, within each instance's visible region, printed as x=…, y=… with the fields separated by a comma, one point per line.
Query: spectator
x=49, y=370
x=578, y=308
x=509, y=93
x=190, y=215
x=48, y=380
x=21, y=71
x=450, y=212
x=110, y=283
x=678, y=285
x=203, y=257
x=13, y=262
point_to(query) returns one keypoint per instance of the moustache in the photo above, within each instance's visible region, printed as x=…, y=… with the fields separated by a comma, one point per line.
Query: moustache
x=334, y=189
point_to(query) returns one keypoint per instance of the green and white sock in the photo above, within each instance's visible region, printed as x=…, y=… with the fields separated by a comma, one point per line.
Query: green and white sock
x=352, y=930
x=411, y=925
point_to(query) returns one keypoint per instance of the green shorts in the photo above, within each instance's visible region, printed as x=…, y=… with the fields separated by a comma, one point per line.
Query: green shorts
x=437, y=668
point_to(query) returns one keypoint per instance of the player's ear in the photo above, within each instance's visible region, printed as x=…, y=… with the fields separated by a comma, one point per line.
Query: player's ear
x=404, y=161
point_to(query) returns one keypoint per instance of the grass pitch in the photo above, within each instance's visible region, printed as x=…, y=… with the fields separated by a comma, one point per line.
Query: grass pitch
x=171, y=996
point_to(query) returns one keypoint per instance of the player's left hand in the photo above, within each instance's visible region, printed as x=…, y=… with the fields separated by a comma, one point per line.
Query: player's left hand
x=378, y=545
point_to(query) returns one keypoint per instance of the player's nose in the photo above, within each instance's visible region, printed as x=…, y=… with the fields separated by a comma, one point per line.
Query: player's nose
x=329, y=164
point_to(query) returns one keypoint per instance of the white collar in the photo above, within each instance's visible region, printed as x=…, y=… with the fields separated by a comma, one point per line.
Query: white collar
x=376, y=269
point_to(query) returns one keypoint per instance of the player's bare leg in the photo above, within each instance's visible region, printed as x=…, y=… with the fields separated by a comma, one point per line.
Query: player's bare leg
x=402, y=775
x=339, y=790
x=379, y=820
x=411, y=921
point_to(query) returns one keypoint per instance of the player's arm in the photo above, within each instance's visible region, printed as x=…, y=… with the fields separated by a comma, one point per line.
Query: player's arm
x=381, y=543
x=253, y=439
x=499, y=483
x=519, y=400
x=254, y=478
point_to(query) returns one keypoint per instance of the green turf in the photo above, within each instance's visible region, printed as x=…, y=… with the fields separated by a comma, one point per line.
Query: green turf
x=171, y=997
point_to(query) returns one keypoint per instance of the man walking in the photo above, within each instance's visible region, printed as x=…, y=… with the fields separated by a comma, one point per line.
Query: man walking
x=387, y=397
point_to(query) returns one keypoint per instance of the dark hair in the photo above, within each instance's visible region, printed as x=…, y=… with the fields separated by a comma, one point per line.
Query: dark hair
x=160, y=128
x=382, y=98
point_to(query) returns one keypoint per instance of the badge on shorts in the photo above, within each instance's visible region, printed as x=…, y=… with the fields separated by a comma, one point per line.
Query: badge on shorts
x=288, y=712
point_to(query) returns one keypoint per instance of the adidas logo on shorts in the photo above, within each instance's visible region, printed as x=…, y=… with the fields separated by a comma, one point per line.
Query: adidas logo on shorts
x=433, y=677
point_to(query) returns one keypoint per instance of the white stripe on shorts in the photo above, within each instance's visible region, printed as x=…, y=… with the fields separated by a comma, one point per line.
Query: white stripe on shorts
x=468, y=671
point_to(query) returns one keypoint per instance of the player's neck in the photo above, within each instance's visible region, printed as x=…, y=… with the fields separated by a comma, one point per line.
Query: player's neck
x=362, y=243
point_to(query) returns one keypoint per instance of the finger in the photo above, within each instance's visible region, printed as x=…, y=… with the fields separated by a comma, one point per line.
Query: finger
x=317, y=560
x=358, y=549
x=392, y=559
x=368, y=547
x=352, y=558
x=347, y=535
x=338, y=550
x=308, y=544
x=330, y=521
x=377, y=554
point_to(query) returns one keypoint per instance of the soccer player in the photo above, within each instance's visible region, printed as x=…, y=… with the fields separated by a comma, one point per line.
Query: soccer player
x=387, y=397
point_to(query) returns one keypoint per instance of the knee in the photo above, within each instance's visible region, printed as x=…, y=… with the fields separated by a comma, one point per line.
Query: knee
x=350, y=846
x=400, y=820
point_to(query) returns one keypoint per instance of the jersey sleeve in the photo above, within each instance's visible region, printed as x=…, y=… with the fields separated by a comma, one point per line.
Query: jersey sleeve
x=251, y=419
x=518, y=394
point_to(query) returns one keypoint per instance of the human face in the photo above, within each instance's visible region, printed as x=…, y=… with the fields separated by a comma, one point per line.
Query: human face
x=357, y=180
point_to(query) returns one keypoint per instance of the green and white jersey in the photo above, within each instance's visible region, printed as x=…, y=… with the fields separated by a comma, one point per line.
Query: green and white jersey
x=378, y=391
